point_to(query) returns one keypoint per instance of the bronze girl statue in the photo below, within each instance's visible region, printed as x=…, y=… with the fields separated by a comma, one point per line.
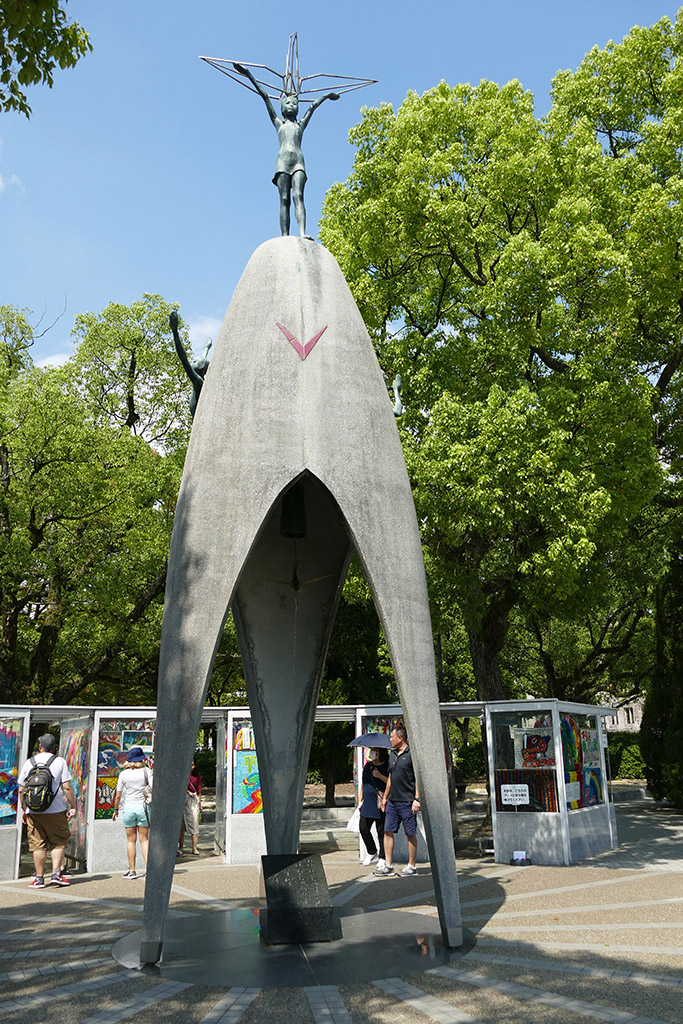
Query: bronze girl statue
x=290, y=170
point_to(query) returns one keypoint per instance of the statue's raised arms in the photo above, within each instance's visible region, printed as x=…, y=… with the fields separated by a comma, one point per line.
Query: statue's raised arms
x=196, y=370
x=291, y=89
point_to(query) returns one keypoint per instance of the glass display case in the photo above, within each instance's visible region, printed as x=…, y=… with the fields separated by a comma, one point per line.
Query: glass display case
x=114, y=737
x=547, y=778
x=115, y=731
x=11, y=730
x=549, y=784
x=245, y=837
x=13, y=753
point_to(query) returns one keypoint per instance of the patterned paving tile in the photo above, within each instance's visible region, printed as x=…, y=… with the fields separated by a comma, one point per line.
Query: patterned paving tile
x=528, y=993
x=327, y=1005
x=436, y=1009
x=136, y=1004
x=230, y=1008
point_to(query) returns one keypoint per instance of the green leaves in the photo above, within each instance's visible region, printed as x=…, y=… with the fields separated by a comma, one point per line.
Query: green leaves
x=523, y=276
x=35, y=38
x=127, y=370
x=91, y=455
x=626, y=92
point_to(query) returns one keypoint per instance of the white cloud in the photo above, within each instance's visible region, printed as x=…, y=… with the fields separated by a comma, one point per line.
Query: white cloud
x=202, y=328
x=58, y=359
x=11, y=182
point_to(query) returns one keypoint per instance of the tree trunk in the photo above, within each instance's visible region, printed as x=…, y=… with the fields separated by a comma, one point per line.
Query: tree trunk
x=486, y=638
x=9, y=621
x=329, y=786
x=486, y=642
x=439, y=666
x=485, y=653
x=40, y=669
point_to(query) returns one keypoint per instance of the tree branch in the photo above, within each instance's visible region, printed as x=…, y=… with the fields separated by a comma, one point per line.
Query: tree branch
x=112, y=650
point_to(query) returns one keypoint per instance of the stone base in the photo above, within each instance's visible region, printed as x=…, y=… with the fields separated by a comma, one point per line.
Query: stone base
x=224, y=948
x=150, y=952
x=295, y=902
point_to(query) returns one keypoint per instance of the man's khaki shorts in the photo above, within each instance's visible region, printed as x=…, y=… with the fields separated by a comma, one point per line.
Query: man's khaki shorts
x=45, y=831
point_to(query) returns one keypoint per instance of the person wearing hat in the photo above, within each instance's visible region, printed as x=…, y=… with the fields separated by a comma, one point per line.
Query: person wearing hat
x=133, y=779
x=48, y=829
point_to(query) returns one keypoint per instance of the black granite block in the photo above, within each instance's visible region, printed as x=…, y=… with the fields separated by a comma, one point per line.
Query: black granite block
x=295, y=902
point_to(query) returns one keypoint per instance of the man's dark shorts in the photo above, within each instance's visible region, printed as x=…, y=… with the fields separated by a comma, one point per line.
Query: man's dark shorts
x=397, y=813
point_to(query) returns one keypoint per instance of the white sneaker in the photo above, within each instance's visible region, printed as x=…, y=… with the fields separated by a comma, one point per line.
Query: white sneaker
x=369, y=859
x=409, y=870
x=381, y=862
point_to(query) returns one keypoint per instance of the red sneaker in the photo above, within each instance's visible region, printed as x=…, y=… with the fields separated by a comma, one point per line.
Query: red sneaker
x=59, y=879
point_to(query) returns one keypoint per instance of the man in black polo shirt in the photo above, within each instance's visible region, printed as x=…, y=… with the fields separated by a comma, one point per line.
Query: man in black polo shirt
x=401, y=803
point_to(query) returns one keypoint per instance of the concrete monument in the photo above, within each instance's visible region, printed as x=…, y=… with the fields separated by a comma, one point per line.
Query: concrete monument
x=294, y=463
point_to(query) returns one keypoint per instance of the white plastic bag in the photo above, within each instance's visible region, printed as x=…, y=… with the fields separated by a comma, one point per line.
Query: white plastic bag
x=353, y=824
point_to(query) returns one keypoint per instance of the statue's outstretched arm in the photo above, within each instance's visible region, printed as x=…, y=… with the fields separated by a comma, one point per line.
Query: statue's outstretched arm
x=182, y=354
x=314, y=106
x=241, y=70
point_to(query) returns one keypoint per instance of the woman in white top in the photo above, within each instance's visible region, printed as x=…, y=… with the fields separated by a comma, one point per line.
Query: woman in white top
x=132, y=781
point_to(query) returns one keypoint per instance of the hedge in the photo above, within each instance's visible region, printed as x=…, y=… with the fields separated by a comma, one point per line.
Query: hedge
x=471, y=761
x=206, y=766
x=625, y=757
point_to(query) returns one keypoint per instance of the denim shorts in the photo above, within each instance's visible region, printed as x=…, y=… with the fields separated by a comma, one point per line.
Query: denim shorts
x=397, y=813
x=135, y=815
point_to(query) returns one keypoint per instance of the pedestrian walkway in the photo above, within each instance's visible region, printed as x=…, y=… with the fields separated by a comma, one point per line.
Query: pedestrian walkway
x=601, y=941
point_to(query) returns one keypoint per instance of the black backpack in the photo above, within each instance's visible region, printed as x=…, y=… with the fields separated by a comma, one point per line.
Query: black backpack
x=38, y=792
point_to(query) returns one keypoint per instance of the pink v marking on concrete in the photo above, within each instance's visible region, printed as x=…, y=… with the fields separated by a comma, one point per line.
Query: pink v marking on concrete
x=303, y=350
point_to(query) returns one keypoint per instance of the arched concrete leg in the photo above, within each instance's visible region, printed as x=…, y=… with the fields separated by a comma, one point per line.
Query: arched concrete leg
x=392, y=560
x=199, y=588
x=287, y=597
x=179, y=712
x=416, y=680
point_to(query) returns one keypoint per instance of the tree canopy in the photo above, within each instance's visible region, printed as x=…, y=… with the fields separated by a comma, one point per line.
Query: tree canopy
x=522, y=274
x=86, y=511
x=35, y=39
x=662, y=724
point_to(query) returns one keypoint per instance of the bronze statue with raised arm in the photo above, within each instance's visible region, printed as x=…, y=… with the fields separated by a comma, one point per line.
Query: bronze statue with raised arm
x=290, y=170
x=195, y=370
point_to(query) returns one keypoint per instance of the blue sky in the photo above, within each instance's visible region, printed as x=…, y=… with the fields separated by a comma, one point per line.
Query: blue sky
x=145, y=170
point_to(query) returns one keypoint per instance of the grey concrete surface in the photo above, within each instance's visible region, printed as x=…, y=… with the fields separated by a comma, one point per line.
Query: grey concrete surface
x=294, y=395
x=601, y=941
x=284, y=610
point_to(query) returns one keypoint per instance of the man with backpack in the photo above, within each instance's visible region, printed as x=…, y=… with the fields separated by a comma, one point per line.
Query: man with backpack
x=48, y=804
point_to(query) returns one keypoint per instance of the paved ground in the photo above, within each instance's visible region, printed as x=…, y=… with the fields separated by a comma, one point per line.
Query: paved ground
x=598, y=942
